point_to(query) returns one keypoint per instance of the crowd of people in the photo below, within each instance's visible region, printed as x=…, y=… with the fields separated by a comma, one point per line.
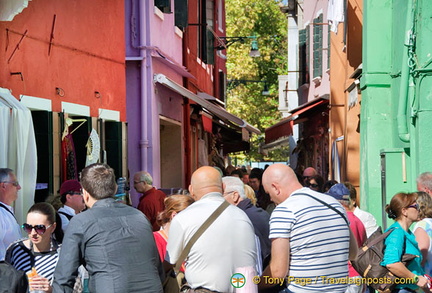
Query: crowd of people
x=283, y=231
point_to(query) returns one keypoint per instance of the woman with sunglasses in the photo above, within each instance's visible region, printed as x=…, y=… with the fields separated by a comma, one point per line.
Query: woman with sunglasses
x=40, y=250
x=403, y=208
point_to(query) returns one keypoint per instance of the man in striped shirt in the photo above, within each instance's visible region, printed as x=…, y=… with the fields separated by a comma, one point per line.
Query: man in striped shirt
x=311, y=243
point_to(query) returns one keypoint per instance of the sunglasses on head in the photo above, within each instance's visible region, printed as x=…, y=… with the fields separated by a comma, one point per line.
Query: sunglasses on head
x=40, y=229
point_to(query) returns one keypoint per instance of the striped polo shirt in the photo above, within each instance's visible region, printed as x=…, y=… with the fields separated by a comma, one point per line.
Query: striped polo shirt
x=319, y=242
x=23, y=259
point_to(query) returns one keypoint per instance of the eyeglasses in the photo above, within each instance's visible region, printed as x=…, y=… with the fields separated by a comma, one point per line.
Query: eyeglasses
x=416, y=206
x=229, y=192
x=75, y=193
x=14, y=183
x=40, y=229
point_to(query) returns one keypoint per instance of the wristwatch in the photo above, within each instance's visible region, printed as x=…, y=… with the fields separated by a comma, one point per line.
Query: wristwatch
x=416, y=279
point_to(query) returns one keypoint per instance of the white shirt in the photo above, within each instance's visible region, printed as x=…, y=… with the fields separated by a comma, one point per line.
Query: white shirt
x=65, y=221
x=227, y=245
x=367, y=219
x=10, y=231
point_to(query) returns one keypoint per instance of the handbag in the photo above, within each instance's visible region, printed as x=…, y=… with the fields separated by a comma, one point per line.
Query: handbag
x=172, y=284
x=369, y=257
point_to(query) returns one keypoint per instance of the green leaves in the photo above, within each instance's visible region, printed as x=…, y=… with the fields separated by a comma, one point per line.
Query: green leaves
x=263, y=19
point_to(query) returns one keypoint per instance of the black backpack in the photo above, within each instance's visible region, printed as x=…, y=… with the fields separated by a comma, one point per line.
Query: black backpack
x=368, y=262
x=11, y=280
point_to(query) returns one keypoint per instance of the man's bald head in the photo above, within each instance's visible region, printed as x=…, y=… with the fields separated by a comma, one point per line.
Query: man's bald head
x=309, y=171
x=205, y=180
x=279, y=182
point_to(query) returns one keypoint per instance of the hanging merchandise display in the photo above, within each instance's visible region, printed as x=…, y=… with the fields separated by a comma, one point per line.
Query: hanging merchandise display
x=93, y=148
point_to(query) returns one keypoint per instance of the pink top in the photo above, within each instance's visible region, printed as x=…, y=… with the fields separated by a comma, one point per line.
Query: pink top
x=359, y=232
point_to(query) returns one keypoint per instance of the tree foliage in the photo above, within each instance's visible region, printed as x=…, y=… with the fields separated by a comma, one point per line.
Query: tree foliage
x=263, y=19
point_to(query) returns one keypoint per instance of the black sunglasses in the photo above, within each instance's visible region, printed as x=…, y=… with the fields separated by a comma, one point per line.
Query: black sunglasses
x=40, y=229
x=313, y=185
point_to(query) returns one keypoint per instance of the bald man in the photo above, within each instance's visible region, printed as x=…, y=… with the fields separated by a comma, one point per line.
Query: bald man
x=311, y=240
x=307, y=173
x=228, y=244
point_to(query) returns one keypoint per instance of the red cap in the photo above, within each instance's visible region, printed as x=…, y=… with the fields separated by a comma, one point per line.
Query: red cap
x=70, y=186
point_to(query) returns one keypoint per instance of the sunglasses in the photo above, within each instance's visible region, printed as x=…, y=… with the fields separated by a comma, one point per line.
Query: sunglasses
x=416, y=206
x=313, y=185
x=40, y=229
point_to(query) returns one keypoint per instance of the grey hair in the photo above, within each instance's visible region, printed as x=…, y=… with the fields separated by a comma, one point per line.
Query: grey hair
x=425, y=179
x=232, y=183
x=5, y=174
x=146, y=177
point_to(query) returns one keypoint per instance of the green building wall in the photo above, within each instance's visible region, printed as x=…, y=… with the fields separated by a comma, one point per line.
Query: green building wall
x=396, y=141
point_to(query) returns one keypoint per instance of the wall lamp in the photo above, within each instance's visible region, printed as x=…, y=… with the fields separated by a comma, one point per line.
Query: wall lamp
x=232, y=83
x=225, y=42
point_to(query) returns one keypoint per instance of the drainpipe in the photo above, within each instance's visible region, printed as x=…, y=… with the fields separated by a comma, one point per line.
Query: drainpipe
x=146, y=81
x=402, y=120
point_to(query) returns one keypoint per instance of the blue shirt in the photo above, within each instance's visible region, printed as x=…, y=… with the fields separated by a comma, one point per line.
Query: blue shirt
x=401, y=242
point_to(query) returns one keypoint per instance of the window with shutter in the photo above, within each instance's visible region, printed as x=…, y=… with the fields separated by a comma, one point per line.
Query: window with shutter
x=163, y=5
x=317, y=46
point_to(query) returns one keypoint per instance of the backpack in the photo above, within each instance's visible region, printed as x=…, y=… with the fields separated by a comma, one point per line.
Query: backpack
x=368, y=262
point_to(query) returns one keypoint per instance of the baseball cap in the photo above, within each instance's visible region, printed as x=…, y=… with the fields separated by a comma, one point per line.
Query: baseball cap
x=339, y=191
x=70, y=186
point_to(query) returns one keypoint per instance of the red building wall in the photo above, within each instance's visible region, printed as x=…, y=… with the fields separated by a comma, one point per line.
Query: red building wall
x=86, y=54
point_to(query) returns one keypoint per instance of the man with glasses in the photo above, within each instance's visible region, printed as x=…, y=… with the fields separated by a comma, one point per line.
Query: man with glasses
x=9, y=228
x=151, y=202
x=72, y=200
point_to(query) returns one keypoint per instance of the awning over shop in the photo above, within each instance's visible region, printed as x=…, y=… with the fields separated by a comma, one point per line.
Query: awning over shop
x=277, y=134
x=214, y=109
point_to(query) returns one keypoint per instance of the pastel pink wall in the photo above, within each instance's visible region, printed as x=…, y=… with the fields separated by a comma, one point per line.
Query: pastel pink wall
x=311, y=10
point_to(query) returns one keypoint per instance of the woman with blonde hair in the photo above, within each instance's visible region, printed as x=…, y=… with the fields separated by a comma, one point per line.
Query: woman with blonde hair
x=250, y=193
x=174, y=204
x=423, y=230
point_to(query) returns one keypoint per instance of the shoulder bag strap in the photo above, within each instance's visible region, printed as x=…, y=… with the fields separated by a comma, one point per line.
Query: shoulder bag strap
x=326, y=204
x=3, y=206
x=199, y=232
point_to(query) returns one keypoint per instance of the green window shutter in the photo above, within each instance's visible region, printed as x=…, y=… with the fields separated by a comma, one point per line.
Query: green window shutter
x=302, y=57
x=317, y=46
x=163, y=5
x=113, y=146
x=181, y=13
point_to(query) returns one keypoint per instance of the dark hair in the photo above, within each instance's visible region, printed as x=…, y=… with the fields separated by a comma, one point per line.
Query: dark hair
x=398, y=202
x=329, y=184
x=173, y=203
x=49, y=211
x=319, y=180
x=256, y=173
x=99, y=181
x=237, y=172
